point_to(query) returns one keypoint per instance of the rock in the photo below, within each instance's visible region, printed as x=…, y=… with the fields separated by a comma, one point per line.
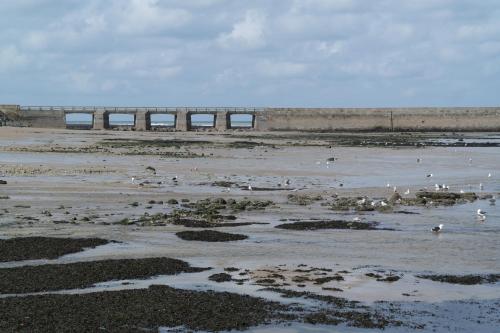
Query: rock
x=389, y=278
x=3, y=182
x=172, y=202
x=231, y=269
x=220, y=277
x=395, y=197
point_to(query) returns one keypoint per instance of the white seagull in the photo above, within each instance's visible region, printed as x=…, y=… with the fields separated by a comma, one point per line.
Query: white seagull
x=437, y=229
x=481, y=214
x=407, y=192
x=250, y=188
x=133, y=180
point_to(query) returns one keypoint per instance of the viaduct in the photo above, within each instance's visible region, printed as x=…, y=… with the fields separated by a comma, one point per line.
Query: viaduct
x=264, y=119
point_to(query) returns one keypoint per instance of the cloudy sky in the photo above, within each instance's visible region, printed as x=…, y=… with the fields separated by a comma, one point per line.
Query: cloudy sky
x=250, y=53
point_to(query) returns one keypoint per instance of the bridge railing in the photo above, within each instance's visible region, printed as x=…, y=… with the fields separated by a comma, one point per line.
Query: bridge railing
x=121, y=109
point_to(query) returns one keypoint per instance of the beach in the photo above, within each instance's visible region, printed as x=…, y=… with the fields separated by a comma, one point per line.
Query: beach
x=307, y=232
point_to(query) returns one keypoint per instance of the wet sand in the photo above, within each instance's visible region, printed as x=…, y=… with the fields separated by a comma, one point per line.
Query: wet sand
x=63, y=183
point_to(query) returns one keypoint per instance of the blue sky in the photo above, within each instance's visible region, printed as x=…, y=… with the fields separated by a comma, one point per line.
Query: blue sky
x=317, y=53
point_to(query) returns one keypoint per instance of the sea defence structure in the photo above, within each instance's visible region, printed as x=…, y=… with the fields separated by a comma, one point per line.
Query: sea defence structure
x=261, y=119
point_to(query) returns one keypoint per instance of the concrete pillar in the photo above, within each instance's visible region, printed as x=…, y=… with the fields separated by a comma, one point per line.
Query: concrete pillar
x=182, y=121
x=222, y=121
x=260, y=120
x=101, y=120
x=142, y=121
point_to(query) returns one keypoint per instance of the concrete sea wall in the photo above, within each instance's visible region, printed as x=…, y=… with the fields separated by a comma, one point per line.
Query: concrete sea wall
x=380, y=119
x=271, y=119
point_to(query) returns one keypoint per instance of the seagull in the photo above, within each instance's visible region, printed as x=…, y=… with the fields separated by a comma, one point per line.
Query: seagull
x=287, y=182
x=489, y=175
x=419, y=160
x=174, y=178
x=395, y=189
x=462, y=191
x=356, y=219
x=481, y=214
x=388, y=185
x=383, y=204
x=133, y=180
x=250, y=187
x=492, y=201
x=407, y=192
x=437, y=229
x=481, y=187
x=429, y=175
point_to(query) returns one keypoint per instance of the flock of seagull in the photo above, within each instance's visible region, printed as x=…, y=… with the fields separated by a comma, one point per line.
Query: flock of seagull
x=481, y=214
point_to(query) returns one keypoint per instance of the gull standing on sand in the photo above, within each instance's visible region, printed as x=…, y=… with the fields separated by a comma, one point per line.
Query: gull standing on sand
x=250, y=188
x=437, y=229
x=407, y=192
x=133, y=180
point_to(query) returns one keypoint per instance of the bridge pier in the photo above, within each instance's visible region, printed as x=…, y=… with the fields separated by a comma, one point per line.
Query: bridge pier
x=142, y=121
x=221, y=121
x=182, y=121
x=101, y=120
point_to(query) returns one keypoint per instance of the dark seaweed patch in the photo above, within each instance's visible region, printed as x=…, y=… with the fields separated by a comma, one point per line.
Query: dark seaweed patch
x=209, y=236
x=141, y=310
x=334, y=224
x=463, y=279
x=31, y=248
x=85, y=274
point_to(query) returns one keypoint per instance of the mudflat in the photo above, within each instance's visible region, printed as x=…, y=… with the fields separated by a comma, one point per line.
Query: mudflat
x=120, y=230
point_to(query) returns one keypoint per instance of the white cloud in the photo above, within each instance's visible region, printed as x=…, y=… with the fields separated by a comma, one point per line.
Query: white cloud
x=479, y=31
x=329, y=48
x=36, y=40
x=247, y=34
x=142, y=16
x=158, y=72
x=276, y=69
x=239, y=51
x=80, y=80
x=11, y=58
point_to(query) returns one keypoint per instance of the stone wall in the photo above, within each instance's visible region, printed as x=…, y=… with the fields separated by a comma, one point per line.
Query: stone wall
x=379, y=119
x=292, y=119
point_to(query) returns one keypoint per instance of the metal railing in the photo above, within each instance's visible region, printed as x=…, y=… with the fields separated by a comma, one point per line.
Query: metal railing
x=118, y=109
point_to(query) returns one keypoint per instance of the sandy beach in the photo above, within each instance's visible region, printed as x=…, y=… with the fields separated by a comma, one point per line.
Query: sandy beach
x=302, y=232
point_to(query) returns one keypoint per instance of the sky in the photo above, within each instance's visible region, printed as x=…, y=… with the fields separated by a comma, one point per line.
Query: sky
x=276, y=53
